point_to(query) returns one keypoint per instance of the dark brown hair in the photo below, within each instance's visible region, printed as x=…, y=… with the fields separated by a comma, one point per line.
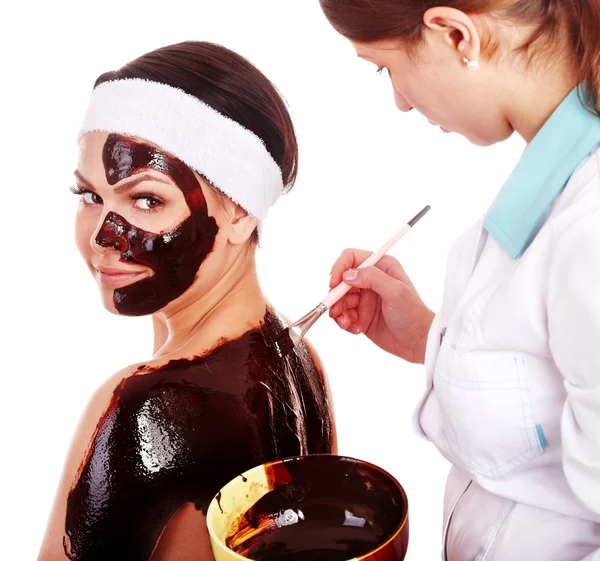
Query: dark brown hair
x=579, y=20
x=231, y=85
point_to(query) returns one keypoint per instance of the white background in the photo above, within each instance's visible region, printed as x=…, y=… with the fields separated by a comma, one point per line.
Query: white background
x=365, y=169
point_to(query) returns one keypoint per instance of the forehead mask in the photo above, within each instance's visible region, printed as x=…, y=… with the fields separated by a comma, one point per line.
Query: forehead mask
x=175, y=256
x=229, y=156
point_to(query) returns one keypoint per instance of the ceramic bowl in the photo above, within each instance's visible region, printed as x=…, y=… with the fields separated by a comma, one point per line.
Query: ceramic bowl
x=317, y=508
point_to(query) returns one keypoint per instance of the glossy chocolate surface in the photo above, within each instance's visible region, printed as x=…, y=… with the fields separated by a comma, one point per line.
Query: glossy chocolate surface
x=321, y=509
x=178, y=433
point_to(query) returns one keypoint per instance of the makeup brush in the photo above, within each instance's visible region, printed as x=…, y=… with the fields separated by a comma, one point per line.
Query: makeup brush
x=289, y=338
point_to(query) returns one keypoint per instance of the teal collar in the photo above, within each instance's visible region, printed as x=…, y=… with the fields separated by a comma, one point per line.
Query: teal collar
x=543, y=171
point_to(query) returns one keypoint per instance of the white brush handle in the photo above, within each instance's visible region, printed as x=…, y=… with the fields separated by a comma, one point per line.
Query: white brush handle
x=342, y=289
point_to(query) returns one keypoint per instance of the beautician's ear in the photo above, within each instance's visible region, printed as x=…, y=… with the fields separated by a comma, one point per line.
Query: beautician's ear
x=242, y=226
x=458, y=28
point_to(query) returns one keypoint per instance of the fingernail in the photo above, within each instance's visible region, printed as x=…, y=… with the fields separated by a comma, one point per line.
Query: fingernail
x=351, y=275
x=355, y=329
x=339, y=321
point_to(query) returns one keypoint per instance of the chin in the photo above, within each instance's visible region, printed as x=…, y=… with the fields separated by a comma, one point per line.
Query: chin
x=107, y=301
x=490, y=138
x=481, y=141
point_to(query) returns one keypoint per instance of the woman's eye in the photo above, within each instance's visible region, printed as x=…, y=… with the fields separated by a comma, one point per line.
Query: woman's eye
x=90, y=198
x=146, y=202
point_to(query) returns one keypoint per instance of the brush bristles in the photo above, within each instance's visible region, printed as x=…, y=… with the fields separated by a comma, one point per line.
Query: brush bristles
x=284, y=343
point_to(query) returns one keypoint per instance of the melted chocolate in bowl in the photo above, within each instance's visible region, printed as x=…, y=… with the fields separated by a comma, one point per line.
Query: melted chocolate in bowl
x=322, y=508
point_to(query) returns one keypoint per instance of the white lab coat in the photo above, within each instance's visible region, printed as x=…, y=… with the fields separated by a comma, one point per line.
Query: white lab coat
x=512, y=396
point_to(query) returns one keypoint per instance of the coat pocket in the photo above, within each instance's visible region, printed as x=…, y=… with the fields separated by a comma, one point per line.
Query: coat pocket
x=487, y=415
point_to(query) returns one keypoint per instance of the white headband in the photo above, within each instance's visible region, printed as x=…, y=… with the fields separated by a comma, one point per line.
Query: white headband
x=230, y=156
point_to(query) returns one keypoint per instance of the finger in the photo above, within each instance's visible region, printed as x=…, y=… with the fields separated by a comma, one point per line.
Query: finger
x=348, y=321
x=336, y=310
x=351, y=300
x=392, y=267
x=353, y=258
x=372, y=278
x=349, y=259
x=353, y=315
x=350, y=326
x=338, y=307
x=354, y=327
x=341, y=317
x=343, y=321
x=348, y=302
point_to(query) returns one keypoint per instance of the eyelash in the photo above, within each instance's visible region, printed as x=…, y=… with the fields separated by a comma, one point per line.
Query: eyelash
x=77, y=191
x=139, y=196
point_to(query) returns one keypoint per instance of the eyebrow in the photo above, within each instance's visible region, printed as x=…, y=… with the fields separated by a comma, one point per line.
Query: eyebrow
x=131, y=181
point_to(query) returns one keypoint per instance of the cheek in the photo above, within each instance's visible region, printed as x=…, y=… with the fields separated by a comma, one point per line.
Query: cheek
x=216, y=261
x=432, y=93
x=401, y=102
x=399, y=91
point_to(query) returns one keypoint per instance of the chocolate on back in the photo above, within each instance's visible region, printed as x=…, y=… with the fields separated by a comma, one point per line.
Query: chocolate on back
x=176, y=434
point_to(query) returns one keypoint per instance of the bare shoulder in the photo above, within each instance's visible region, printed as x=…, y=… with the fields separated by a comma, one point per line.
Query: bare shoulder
x=158, y=436
x=53, y=546
x=147, y=444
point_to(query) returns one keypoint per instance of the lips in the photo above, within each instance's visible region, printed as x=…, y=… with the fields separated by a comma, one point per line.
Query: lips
x=115, y=277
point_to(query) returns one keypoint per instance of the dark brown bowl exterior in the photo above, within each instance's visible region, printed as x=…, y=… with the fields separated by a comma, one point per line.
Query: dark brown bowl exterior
x=396, y=547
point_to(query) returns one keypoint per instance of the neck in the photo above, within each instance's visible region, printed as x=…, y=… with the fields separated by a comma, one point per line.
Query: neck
x=538, y=94
x=231, y=307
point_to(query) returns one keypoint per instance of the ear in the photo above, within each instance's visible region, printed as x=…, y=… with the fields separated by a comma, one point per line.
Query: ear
x=237, y=223
x=458, y=30
x=241, y=227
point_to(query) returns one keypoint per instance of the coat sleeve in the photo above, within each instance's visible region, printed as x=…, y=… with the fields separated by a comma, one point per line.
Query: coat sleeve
x=594, y=556
x=574, y=337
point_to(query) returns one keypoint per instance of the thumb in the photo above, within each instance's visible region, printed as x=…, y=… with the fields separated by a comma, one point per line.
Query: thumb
x=374, y=279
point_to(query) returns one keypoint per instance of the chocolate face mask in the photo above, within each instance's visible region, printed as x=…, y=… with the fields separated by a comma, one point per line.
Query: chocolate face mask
x=175, y=256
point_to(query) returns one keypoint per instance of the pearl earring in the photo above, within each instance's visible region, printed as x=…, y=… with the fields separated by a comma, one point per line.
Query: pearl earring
x=471, y=64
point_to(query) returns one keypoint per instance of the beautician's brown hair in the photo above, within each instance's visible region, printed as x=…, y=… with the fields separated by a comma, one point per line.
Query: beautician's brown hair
x=577, y=20
x=231, y=85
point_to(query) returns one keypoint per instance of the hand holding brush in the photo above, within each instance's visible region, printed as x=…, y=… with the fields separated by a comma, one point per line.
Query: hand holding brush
x=289, y=338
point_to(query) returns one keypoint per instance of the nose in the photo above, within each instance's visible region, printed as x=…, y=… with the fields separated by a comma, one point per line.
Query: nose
x=112, y=234
x=401, y=101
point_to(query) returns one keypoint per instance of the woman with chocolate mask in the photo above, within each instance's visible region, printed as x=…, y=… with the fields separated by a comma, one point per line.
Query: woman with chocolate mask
x=182, y=152
x=512, y=368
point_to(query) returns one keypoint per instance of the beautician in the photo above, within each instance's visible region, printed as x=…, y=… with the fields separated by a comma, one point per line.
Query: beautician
x=512, y=359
